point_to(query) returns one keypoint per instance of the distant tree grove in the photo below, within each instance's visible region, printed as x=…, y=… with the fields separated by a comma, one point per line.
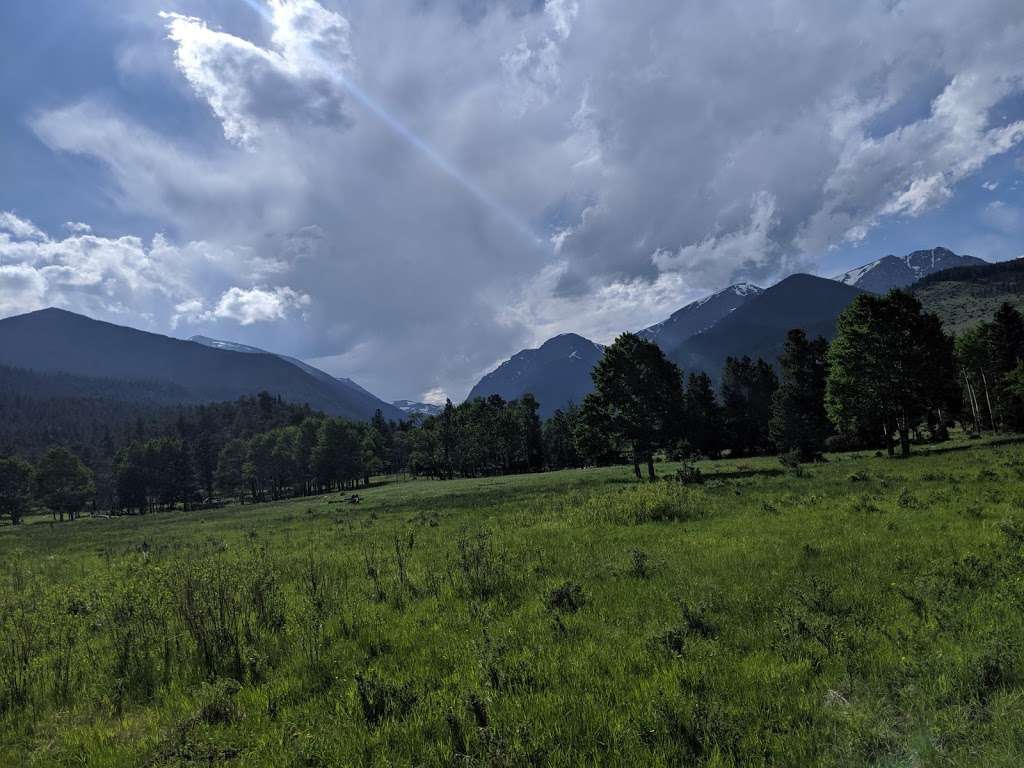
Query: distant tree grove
x=889, y=378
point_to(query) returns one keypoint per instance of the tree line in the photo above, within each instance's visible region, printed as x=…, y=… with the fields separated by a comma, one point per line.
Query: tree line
x=890, y=375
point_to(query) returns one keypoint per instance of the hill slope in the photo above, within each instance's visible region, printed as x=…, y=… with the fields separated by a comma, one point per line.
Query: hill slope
x=889, y=272
x=346, y=389
x=557, y=373
x=758, y=328
x=699, y=316
x=965, y=296
x=56, y=341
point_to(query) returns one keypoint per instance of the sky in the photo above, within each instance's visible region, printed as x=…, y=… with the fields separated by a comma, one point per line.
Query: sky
x=408, y=192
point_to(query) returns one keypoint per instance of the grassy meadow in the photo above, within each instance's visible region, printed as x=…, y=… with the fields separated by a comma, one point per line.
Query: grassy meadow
x=865, y=611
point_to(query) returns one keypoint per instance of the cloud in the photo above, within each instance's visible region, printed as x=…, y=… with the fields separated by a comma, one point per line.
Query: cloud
x=563, y=15
x=916, y=168
x=662, y=149
x=22, y=229
x=22, y=289
x=435, y=396
x=533, y=68
x=298, y=79
x=259, y=305
x=718, y=257
x=125, y=277
x=77, y=228
x=1003, y=218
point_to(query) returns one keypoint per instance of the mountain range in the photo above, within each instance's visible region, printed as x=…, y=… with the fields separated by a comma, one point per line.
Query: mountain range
x=410, y=408
x=346, y=389
x=557, y=373
x=888, y=272
x=55, y=341
x=758, y=328
x=75, y=355
x=742, y=319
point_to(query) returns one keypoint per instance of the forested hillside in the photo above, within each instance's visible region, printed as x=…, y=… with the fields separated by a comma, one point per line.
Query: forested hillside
x=56, y=341
x=966, y=296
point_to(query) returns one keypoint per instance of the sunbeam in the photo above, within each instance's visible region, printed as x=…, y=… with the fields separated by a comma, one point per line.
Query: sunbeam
x=405, y=133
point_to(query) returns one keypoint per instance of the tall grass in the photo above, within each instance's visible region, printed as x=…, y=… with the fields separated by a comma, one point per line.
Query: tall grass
x=868, y=612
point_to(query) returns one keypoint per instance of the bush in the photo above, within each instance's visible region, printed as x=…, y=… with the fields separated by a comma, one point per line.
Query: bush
x=483, y=570
x=907, y=500
x=568, y=598
x=694, y=623
x=639, y=564
x=690, y=475
x=844, y=443
x=380, y=699
x=790, y=460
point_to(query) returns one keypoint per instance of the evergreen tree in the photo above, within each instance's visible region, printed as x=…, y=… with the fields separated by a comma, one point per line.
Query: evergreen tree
x=702, y=416
x=799, y=421
x=1005, y=342
x=230, y=475
x=890, y=364
x=64, y=484
x=529, y=454
x=748, y=387
x=447, y=435
x=305, y=445
x=559, y=433
x=637, y=400
x=373, y=453
x=16, y=479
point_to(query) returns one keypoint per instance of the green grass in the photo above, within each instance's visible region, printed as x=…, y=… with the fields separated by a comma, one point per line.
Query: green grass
x=867, y=612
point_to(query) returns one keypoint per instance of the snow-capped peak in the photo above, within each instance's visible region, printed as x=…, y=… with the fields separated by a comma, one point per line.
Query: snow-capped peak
x=881, y=275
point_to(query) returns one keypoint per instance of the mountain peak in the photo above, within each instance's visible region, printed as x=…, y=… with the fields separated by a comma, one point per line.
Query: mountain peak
x=700, y=315
x=743, y=289
x=568, y=342
x=556, y=373
x=888, y=272
x=412, y=407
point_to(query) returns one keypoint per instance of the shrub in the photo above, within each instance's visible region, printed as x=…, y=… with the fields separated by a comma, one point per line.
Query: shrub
x=689, y=475
x=864, y=505
x=790, y=460
x=694, y=623
x=843, y=443
x=568, y=598
x=639, y=564
x=483, y=570
x=907, y=500
x=380, y=699
x=663, y=504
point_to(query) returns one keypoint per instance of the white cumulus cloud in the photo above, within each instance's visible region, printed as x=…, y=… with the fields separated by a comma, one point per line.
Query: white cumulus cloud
x=124, y=277
x=246, y=86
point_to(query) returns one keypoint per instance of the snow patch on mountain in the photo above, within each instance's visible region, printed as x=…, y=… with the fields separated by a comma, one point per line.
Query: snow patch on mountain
x=888, y=272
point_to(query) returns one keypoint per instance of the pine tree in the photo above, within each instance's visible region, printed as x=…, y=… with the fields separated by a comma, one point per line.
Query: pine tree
x=702, y=416
x=748, y=387
x=16, y=478
x=890, y=364
x=637, y=399
x=799, y=422
x=64, y=484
